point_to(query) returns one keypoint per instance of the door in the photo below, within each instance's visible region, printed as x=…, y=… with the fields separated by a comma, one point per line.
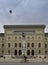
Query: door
x=15, y=52
x=28, y=52
x=20, y=52
x=32, y=52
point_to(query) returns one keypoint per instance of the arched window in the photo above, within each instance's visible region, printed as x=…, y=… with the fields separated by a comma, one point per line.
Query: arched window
x=8, y=44
x=16, y=38
x=2, y=52
x=19, y=44
x=28, y=38
x=28, y=44
x=39, y=38
x=9, y=52
x=32, y=38
x=15, y=44
x=45, y=45
x=15, y=52
x=45, y=39
x=19, y=38
x=9, y=38
x=39, y=45
x=28, y=52
x=32, y=52
x=2, y=45
x=39, y=51
x=46, y=52
x=20, y=52
x=32, y=44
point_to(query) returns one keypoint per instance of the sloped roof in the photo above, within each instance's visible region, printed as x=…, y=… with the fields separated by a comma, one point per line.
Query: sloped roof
x=24, y=26
x=46, y=34
x=1, y=34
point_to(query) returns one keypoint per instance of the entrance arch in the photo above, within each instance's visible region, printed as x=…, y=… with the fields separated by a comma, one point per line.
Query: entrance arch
x=20, y=52
x=28, y=52
x=32, y=52
x=15, y=52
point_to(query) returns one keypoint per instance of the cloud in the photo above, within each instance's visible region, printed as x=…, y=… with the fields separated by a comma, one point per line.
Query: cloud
x=24, y=12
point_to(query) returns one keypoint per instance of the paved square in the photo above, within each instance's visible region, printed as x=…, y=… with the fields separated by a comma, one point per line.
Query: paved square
x=15, y=63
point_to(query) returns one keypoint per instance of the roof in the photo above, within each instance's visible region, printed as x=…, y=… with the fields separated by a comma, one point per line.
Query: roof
x=46, y=34
x=1, y=34
x=24, y=26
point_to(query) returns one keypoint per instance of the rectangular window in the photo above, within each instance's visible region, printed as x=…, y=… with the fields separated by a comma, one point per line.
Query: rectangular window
x=19, y=38
x=45, y=45
x=45, y=39
x=2, y=45
x=32, y=38
x=8, y=44
x=39, y=45
x=46, y=52
x=2, y=51
x=8, y=51
x=9, y=38
x=15, y=38
x=28, y=38
x=28, y=44
x=39, y=38
x=15, y=44
x=32, y=44
x=19, y=44
x=39, y=51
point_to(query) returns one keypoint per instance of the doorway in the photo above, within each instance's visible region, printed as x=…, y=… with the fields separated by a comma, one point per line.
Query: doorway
x=20, y=52
x=32, y=52
x=15, y=52
x=28, y=52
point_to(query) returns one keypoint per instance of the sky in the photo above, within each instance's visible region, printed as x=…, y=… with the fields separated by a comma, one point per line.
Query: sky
x=24, y=12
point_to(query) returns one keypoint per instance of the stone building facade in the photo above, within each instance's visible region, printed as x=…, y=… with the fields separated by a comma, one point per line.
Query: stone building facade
x=35, y=41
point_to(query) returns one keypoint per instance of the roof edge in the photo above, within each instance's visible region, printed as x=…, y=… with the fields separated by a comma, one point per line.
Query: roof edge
x=24, y=26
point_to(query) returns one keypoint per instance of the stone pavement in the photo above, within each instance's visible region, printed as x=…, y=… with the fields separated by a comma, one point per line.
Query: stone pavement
x=33, y=63
x=21, y=60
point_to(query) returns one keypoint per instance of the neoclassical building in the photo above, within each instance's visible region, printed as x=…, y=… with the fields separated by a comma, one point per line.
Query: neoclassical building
x=18, y=40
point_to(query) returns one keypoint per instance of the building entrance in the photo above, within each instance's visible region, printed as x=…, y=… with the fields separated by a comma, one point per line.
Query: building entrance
x=32, y=52
x=20, y=52
x=15, y=52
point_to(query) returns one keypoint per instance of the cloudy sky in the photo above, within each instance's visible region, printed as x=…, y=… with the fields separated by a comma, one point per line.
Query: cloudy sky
x=23, y=12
